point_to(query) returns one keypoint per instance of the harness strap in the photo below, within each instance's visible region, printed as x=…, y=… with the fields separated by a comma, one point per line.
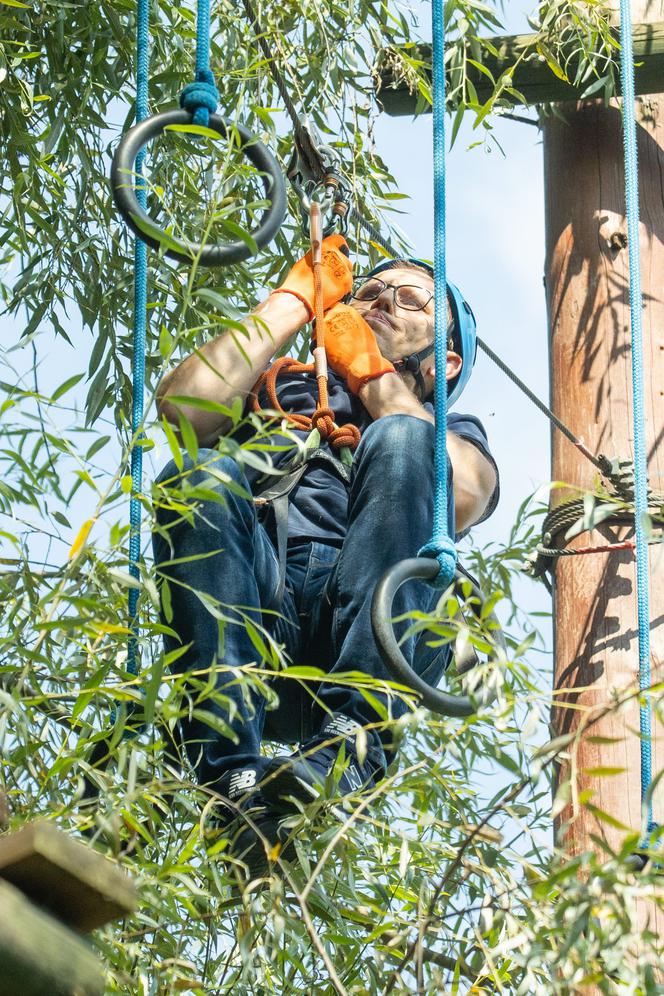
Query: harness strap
x=282, y=488
x=278, y=496
x=280, y=509
x=413, y=364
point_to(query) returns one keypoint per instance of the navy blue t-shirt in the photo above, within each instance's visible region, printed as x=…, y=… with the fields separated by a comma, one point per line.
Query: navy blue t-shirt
x=318, y=505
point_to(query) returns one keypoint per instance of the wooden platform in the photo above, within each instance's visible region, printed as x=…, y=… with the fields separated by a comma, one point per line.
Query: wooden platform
x=81, y=887
x=41, y=957
x=534, y=78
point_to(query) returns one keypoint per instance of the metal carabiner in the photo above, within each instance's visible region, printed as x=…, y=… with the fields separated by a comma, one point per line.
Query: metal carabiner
x=315, y=175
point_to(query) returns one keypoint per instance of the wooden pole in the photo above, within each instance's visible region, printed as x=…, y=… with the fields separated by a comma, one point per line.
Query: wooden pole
x=595, y=597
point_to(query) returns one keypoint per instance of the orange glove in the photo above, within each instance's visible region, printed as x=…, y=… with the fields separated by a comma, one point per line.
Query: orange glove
x=351, y=347
x=336, y=270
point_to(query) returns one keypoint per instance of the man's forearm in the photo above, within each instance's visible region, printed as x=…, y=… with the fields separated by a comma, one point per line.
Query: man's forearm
x=474, y=480
x=227, y=367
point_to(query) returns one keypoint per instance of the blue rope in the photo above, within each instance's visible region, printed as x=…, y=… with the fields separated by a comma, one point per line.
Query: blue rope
x=640, y=458
x=441, y=546
x=201, y=97
x=140, y=332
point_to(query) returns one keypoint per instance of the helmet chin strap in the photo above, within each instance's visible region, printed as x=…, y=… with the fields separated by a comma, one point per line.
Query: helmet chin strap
x=413, y=364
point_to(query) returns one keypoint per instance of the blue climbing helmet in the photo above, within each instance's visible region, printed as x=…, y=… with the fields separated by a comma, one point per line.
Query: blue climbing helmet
x=464, y=331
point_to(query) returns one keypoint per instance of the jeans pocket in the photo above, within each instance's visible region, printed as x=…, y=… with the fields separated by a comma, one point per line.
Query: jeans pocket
x=322, y=560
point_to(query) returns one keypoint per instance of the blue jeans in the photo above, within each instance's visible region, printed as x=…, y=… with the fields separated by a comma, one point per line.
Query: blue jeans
x=220, y=548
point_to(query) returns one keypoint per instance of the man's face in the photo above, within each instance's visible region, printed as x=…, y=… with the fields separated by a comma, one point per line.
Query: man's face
x=399, y=331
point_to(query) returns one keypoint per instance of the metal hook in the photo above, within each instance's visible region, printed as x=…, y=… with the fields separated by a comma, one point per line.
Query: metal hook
x=321, y=181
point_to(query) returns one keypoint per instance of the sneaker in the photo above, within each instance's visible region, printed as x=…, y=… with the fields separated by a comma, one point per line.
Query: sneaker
x=312, y=769
x=253, y=824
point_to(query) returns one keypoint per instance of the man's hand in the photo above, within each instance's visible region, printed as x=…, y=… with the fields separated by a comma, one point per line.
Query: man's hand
x=336, y=270
x=351, y=347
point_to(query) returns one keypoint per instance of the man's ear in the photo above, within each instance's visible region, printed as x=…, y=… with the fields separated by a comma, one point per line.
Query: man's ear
x=454, y=364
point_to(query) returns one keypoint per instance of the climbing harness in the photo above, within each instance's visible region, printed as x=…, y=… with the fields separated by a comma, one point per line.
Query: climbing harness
x=198, y=105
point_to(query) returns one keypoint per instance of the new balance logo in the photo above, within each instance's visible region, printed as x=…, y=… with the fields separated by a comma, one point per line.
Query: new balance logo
x=240, y=782
x=341, y=726
x=353, y=777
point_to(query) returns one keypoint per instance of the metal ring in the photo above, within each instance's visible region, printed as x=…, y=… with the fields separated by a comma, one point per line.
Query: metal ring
x=426, y=569
x=124, y=194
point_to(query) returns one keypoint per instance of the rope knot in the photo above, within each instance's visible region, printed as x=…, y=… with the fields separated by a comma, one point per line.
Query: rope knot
x=323, y=420
x=345, y=435
x=444, y=551
x=201, y=97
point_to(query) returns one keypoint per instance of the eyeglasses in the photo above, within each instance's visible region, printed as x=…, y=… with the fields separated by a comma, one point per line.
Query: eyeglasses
x=407, y=296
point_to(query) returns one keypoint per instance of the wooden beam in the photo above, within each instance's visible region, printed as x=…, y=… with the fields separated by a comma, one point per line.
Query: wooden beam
x=40, y=956
x=532, y=77
x=80, y=886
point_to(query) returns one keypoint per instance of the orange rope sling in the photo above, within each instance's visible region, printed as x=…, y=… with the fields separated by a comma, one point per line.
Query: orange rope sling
x=323, y=417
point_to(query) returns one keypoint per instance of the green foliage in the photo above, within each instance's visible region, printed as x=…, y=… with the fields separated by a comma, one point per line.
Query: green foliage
x=577, y=41
x=435, y=884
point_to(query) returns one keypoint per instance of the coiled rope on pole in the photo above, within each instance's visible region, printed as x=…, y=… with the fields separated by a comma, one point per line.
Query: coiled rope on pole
x=638, y=415
x=441, y=545
x=567, y=520
x=139, y=336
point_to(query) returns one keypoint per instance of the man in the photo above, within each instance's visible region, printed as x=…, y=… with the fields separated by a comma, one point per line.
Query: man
x=341, y=536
